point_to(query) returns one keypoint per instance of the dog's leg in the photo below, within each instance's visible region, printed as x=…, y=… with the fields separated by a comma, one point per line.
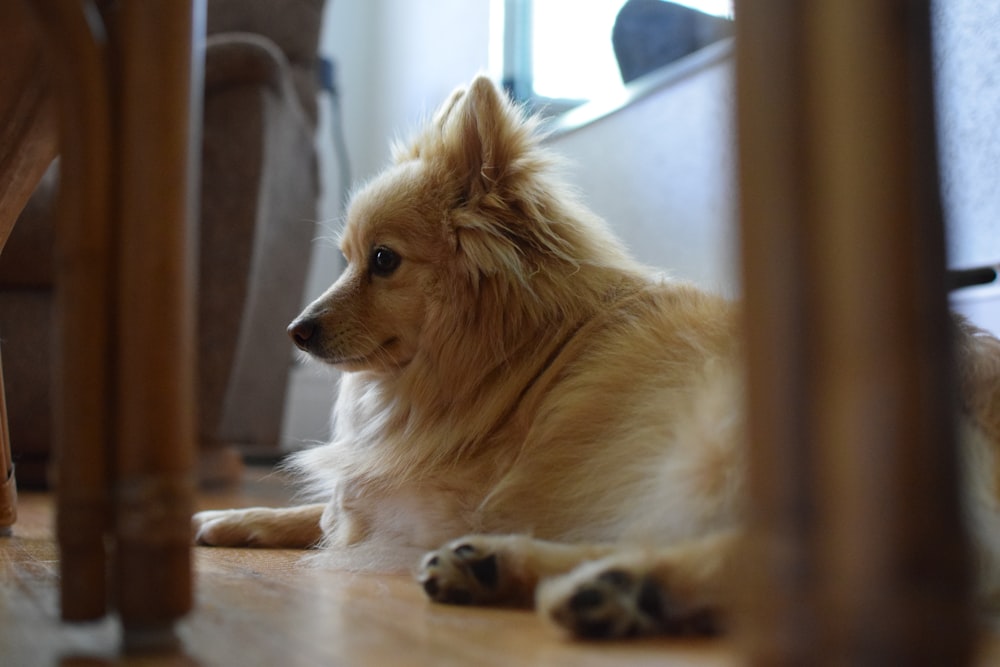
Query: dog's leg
x=499, y=569
x=676, y=590
x=288, y=528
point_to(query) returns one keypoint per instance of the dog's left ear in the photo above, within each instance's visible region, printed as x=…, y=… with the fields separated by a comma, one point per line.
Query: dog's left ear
x=483, y=135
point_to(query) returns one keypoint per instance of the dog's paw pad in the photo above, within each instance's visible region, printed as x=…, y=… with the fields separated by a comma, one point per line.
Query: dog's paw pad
x=616, y=603
x=608, y=606
x=461, y=573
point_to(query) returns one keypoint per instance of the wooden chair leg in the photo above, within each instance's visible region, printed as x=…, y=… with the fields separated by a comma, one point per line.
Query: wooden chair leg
x=27, y=147
x=155, y=456
x=856, y=553
x=124, y=394
x=27, y=117
x=82, y=386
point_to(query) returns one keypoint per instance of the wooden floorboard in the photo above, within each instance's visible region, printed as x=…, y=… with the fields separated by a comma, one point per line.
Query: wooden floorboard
x=267, y=607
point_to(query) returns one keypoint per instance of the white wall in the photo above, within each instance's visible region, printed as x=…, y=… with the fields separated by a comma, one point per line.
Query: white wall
x=660, y=171
x=396, y=61
x=967, y=40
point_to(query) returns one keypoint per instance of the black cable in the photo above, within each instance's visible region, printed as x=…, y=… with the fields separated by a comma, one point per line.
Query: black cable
x=980, y=275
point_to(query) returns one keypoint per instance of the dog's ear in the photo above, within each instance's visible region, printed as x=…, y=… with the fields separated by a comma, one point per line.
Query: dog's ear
x=483, y=136
x=491, y=154
x=444, y=112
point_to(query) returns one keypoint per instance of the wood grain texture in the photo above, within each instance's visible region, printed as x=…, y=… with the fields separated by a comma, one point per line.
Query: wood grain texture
x=268, y=607
x=28, y=135
x=124, y=390
x=28, y=140
x=82, y=386
x=154, y=97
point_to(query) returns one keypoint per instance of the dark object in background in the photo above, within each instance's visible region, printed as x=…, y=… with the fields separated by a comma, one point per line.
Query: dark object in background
x=651, y=33
x=979, y=275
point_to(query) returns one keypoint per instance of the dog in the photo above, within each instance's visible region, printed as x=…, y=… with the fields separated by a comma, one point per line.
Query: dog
x=518, y=389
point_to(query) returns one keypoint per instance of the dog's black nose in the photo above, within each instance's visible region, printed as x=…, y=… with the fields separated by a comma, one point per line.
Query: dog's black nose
x=302, y=331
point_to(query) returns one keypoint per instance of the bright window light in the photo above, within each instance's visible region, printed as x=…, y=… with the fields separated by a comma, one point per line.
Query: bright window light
x=715, y=7
x=572, y=54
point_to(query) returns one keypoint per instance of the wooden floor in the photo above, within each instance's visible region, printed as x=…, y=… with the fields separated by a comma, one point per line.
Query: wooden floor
x=264, y=607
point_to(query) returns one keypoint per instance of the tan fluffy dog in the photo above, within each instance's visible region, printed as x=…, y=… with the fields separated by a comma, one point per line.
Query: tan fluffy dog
x=512, y=372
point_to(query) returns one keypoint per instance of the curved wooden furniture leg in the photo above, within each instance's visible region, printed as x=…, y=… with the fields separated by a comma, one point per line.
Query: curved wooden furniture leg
x=124, y=393
x=156, y=419
x=83, y=385
x=856, y=552
x=27, y=147
x=27, y=116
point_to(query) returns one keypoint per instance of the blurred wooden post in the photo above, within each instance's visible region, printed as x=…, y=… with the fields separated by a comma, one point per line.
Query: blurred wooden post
x=855, y=548
x=155, y=411
x=83, y=388
x=27, y=115
x=125, y=355
x=779, y=621
x=27, y=147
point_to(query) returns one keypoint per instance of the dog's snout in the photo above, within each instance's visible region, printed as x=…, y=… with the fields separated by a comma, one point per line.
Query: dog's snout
x=302, y=332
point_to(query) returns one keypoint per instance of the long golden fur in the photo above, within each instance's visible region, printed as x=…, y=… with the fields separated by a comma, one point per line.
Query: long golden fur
x=512, y=372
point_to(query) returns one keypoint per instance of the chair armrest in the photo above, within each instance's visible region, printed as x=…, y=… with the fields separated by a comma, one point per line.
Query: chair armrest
x=243, y=58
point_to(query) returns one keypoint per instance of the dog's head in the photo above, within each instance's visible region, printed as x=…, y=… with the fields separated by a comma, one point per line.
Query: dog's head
x=463, y=238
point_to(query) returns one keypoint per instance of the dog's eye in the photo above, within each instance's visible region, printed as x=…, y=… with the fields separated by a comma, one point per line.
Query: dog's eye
x=384, y=261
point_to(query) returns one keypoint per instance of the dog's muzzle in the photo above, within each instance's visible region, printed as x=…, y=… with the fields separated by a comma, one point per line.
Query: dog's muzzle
x=302, y=331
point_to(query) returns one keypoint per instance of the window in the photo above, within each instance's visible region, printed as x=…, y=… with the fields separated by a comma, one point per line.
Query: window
x=557, y=54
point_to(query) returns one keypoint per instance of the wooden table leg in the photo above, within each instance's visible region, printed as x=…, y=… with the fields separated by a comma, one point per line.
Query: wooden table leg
x=27, y=147
x=856, y=553
x=778, y=623
x=27, y=116
x=124, y=395
x=83, y=388
x=155, y=409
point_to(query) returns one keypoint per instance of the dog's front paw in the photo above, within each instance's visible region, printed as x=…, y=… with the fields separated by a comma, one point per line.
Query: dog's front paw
x=250, y=527
x=605, y=600
x=477, y=570
x=461, y=573
x=221, y=528
x=270, y=527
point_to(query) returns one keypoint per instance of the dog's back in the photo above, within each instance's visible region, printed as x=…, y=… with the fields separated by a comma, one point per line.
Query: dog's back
x=644, y=385
x=978, y=365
